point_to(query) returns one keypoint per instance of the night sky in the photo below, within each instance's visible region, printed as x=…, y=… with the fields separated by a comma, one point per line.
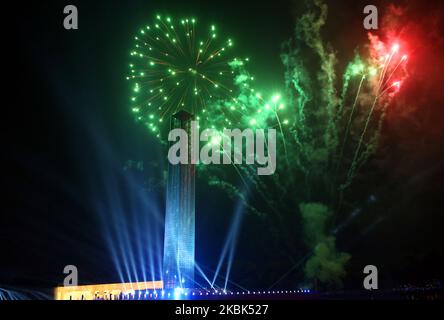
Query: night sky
x=68, y=132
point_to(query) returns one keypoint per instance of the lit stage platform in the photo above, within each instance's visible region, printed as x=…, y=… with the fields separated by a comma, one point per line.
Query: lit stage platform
x=114, y=291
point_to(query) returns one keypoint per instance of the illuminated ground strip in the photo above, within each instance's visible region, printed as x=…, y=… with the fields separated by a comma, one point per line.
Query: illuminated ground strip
x=154, y=291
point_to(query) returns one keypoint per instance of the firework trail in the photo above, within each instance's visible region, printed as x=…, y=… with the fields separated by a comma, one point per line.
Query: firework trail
x=385, y=90
x=328, y=134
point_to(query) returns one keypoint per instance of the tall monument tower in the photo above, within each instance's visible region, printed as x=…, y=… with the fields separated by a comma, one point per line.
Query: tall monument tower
x=178, y=255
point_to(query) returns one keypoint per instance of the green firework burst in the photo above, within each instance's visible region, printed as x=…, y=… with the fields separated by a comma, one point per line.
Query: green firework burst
x=175, y=66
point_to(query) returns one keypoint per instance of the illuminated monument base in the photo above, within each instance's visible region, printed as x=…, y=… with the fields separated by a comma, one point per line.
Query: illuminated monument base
x=178, y=259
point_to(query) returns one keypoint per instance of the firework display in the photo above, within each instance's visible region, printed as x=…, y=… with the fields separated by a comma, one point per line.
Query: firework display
x=175, y=65
x=326, y=130
x=222, y=151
